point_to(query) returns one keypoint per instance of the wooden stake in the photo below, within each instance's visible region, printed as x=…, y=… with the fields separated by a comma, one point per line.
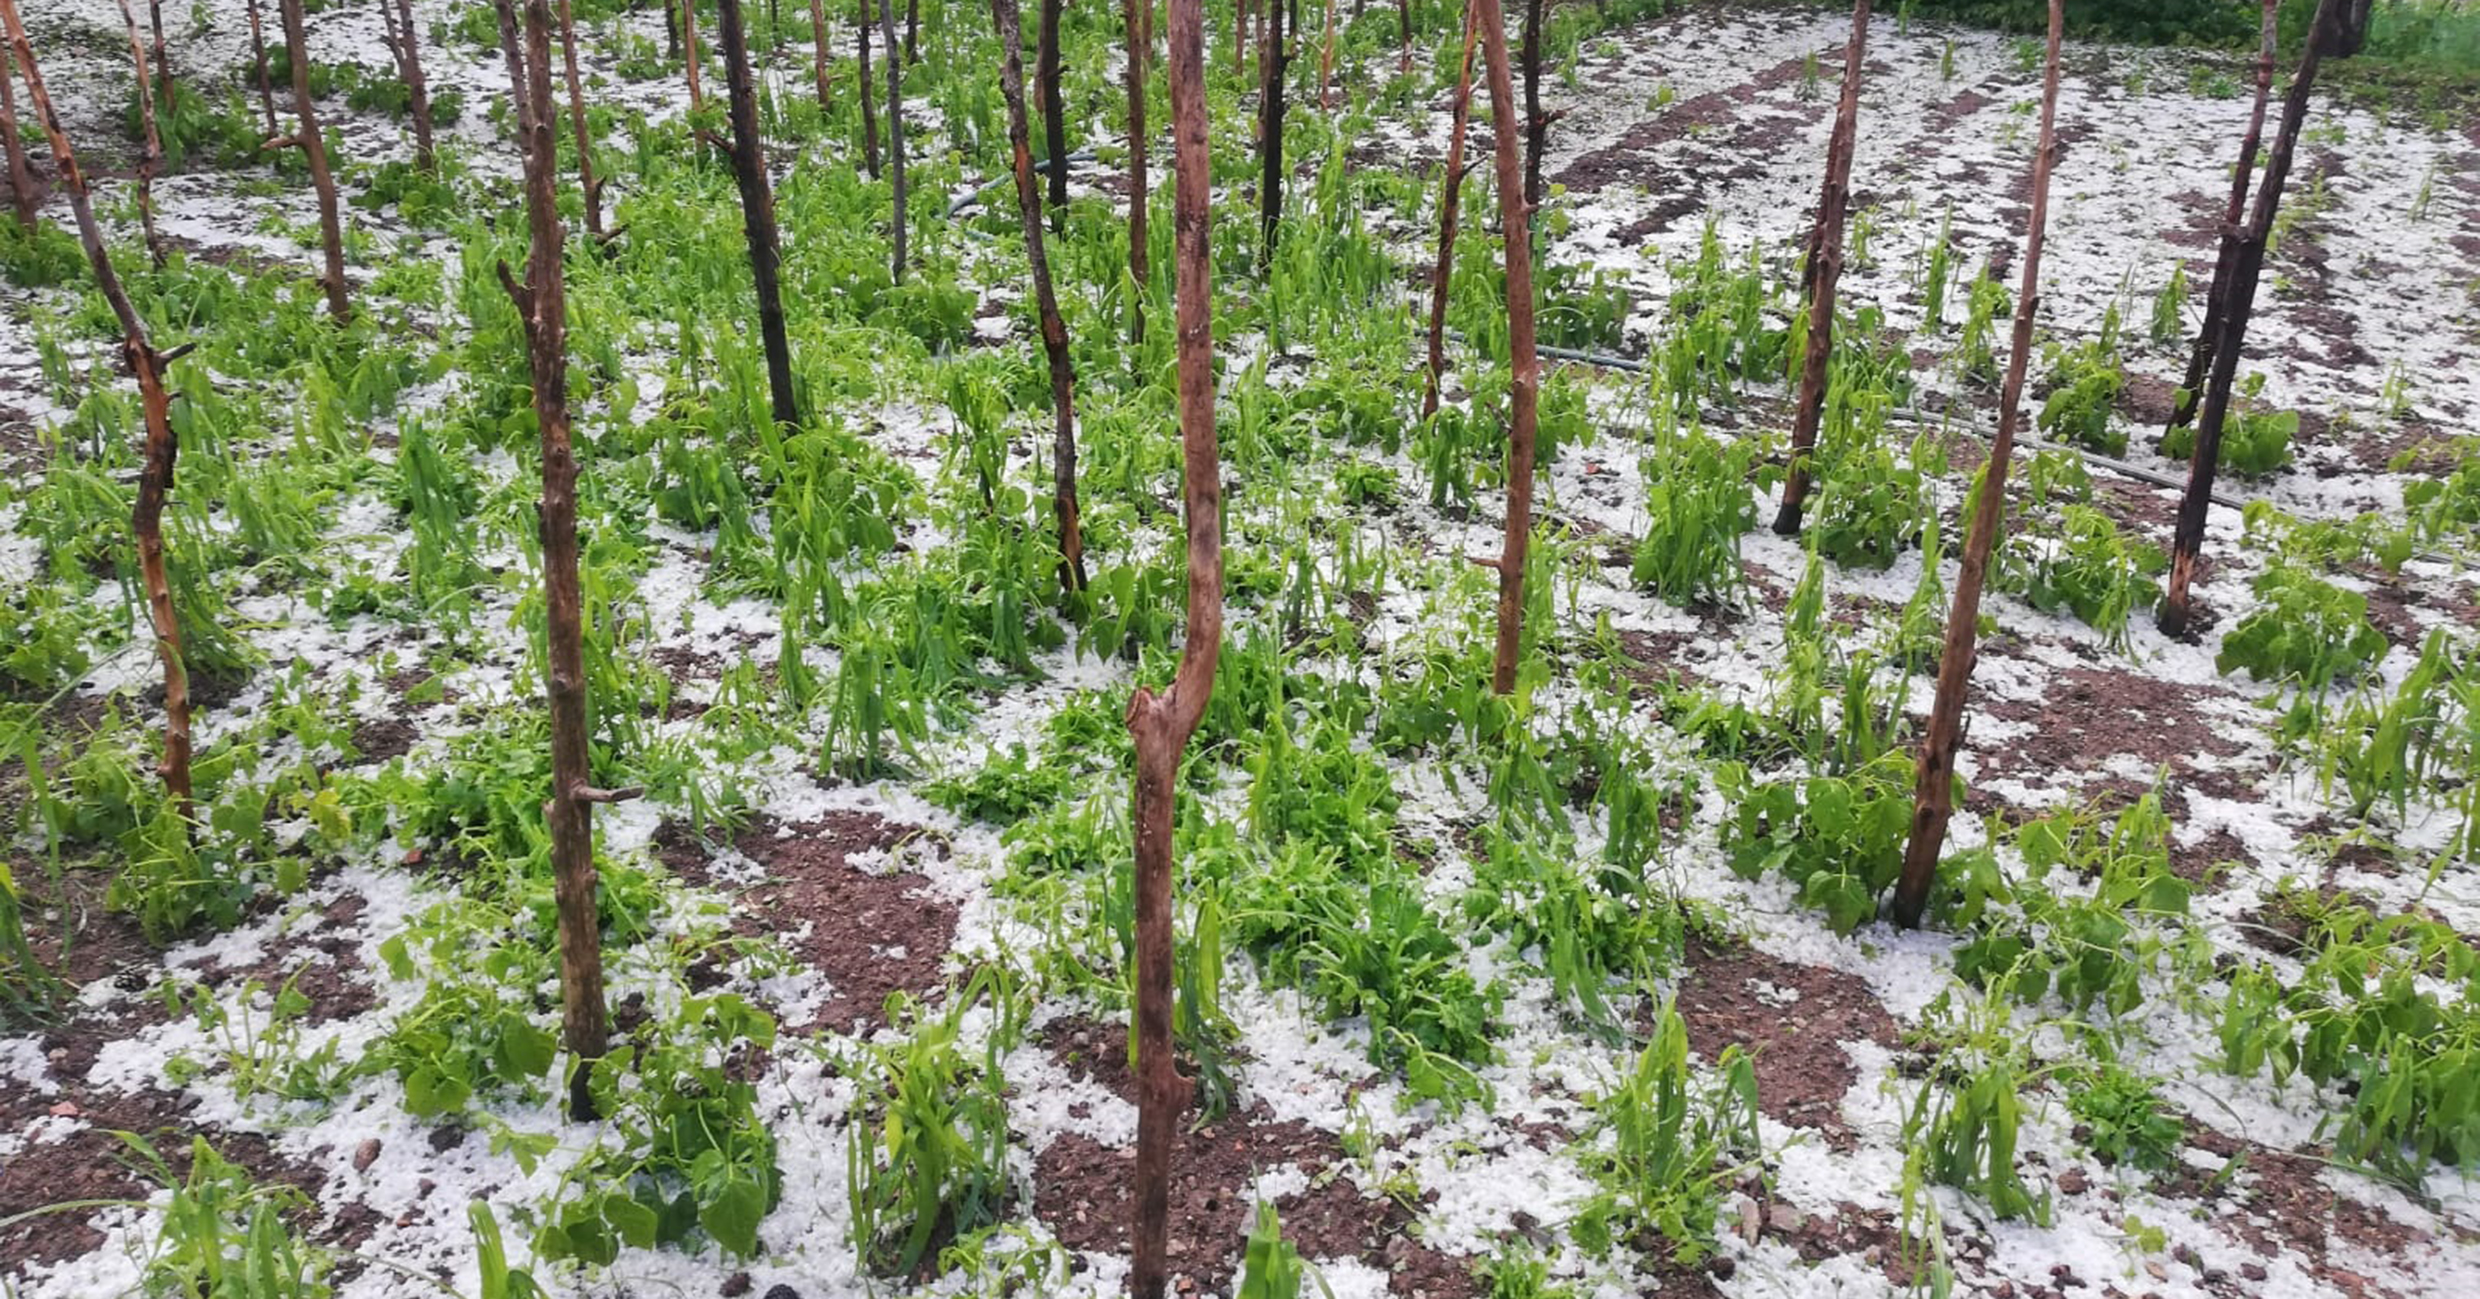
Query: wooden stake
x=1054, y=331
x=818, y=39
x=869, y=100
x=586, y=183
x=1823, y=271
x=895, y=127
x=163, y=447
x=258, y=62
x=1934, y=793
x=1536, y=126
x=689, y=44
x=404, y=41
x=1450, y=196
x=2200, y=358
x=541, y=302
x=1524, y=377
x=1054, y=111
x=1274, y=61
x=1162, y=723
x=2247, y=262
x=151, y=158
x=21, y=175
x=757, y=212
x=313, y=144
x=1139, y=19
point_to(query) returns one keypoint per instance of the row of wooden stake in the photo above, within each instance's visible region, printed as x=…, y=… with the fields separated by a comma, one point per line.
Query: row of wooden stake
x=1160, y=721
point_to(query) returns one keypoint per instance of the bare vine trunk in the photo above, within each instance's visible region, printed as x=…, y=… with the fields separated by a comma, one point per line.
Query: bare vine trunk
x=1054, y=330
x=151, y=156
x=1054, y=111
x=757, y=212
x=405, y=43
x=1403, y=23
x=592, y=188
x=258, y=64
x=1326, y=60
x=1139, y=18
x=895, y=126
x=2234, y=209
x=1536, y=126
x=1823, y=272
x=1162, y=723
x=314, y=148
x=146, y=366
x=541, y=302
x=21, y=174
x=818, y=40
x=1524, y=377
x=869, y=97
x=1450, y=199
x=689, y=47
x=1934, y=794
x=1274, y=61
x=2245, y=251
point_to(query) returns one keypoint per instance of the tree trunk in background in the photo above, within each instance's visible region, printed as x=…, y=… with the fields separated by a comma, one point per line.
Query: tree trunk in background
x=2245, y=251
x=397, y=31
x=314, y=148
x=1161, y=724
x=1054, y=331
x=1823, y=272
x=1054, y=111
x=1240, y=38
x=592, y=188
x=689, y=42
x=151, y=155
x=512, y=49
x=869, y=100
x=1934, y=795
x=1139, y=18
x=912, y=31
x=1536, y=126
x=21, y=175
x=2234, y=209
x=1403, y=22
x=1274, y=61
x=895, y=125
x=541, y=303
x=757, y=212
x=163, y=55
x=1326, y=61
x=671, y=29
x=1524, y=378
x=818, y=38
x=146, y=365
x=1450, y=198
x=258, y=63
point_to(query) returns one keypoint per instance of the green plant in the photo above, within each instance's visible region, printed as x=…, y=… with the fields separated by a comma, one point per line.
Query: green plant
x=1697, y=506
x=1270, y=1268
x=2253, y=441
x=2124, y=1119
x=225, y=1235
x=2084, y=382
x=1838, y=839
x=2165, y=325
x=2305, y=630
x=2092, y=570
x=1672, y=1147
x=929, y=1145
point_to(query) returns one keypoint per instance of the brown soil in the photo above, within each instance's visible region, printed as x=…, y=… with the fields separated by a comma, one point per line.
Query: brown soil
x=869, y=934
x=1802, y=1069
x=2092, y=716
x=379, y=741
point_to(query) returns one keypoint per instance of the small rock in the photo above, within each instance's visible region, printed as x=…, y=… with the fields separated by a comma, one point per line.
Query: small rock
x=1784, y=1219
x=2004, y=1289
x=736, y=1285
x=422, y=1189
x=1873, y=1253
x=2074, y=1182
x=1398, y=1253
x=1721, y=1268
x=1751, y=1221
x=365, y=1155
x=65, y=1110
x=2252, y=1271
x=782, y=1292
x=2159, y=1272
x=2065, y=1277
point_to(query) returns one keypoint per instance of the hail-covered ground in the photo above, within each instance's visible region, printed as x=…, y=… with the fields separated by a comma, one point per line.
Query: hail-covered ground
x=759, y=869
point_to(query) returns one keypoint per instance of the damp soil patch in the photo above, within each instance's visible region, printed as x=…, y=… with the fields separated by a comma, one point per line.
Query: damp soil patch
x=2090, y=716
x=1792, y=1019
x=870, y=932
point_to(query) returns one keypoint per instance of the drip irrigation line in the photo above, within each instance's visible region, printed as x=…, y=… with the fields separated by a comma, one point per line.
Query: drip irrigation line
x=1945, y=417
x=973, y=192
